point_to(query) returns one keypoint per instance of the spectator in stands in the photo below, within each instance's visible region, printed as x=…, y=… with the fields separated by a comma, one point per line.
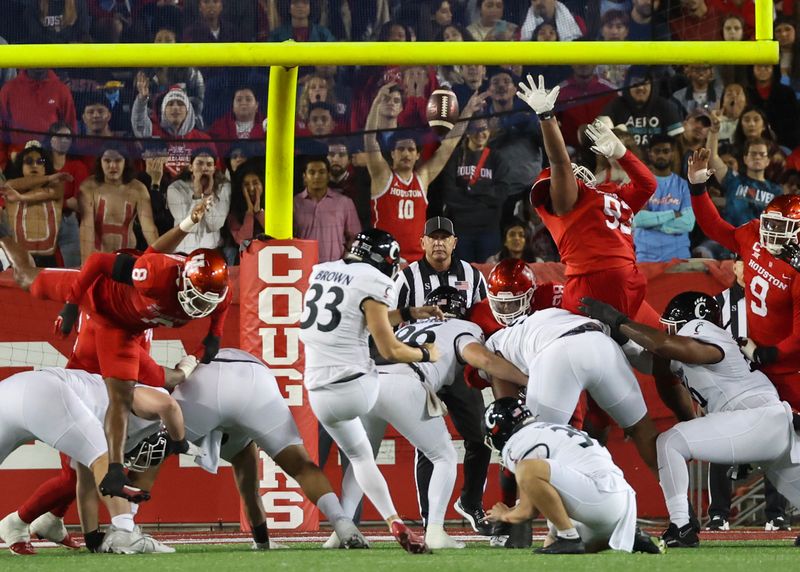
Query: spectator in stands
x=32, y=102
x=316, y=89
x=432, y=18
x=241, y=152
x=753, y=124
x=399, y=191
x=732, y=31
x=662, y=227
x=204, y=182
x=299, y=26
x=734, y=102
x=778, y=101
x=702, y=91
x=646, y=23
x=246, y=217
x=343, y=179
x=58, y=143
x=786, y=35
x=516, y=244
x=110, y=201
x=553, y=75
x=746, y=194
x=191, y=79
x=472, y=199
x=6, y=74
x=155, y=157
x=694, y=136
x=34, y=195
x=322, y=214
x=790, y=182
x=242, y=15
x=582, y=98
x=743, y=9
x=490, y=26
x=211, y=25
x=176, y=124
x=111, y=20
x=95, y=124
x=503, y=100
x=454, y=33
x=56, y=22
x=643, y=112
x=614, y=28
x=698, y=22
x=474, y=79
x=566, y=24
x=244, y=121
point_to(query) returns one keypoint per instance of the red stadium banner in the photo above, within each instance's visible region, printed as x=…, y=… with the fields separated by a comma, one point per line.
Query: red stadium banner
x=273, y=278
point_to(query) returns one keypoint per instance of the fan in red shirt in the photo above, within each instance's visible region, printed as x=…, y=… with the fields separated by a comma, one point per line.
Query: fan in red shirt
x=769, y=249
x=591, y=224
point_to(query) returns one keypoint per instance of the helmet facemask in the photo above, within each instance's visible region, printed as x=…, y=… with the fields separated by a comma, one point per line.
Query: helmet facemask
x=776, y=230
x=195, y=303
x=507, y=307
x=583, y=174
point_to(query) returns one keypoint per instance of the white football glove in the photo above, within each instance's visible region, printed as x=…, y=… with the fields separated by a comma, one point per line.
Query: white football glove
x=698, y=176
x=538, y=98
x=187, y=365
x=747, y=347
x=605, y=142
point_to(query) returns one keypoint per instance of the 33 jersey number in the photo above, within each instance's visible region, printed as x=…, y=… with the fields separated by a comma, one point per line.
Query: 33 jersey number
x=334, y=296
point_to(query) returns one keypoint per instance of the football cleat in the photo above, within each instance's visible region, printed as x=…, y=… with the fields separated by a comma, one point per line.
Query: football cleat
x=719, y=522
x=777, y=523
x=355, y=541
x=683, y=537
x=410, y=541
x=332, y=542
x=643, y=542
x=268, y=545
x=50, y=527
x=476, y=517
x=500, y=533
x=14, y=532
x=347, y=531
x=563, y=546
x=118, y=541
x=437, y=538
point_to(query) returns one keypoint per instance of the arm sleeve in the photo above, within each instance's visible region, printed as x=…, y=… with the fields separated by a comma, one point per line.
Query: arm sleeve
x=140, y=120
x=680, y=225
x=649, y=219
x=97, y=265
x=712, y=224
x=643, y=184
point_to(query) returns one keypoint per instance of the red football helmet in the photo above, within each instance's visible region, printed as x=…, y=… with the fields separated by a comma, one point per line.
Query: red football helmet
x=511, y=285
x=204, y=282
x=780, y=223
x=543, y=180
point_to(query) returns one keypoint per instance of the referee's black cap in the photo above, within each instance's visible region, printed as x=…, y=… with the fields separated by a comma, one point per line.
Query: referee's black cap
x=441, y=223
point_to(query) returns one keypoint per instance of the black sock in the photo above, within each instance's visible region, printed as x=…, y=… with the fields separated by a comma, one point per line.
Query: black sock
x=93, y=540
x=260, y=533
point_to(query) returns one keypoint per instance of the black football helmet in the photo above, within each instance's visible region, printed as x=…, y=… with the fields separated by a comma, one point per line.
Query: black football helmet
x=377, y=248
x=451, y=302
x=148, y=453
x=502, y=419
x=688, y=306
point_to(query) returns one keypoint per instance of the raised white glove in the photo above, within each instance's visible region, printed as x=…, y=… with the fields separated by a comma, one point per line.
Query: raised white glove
x=605, y=142
x=537, y=97
x=699, y=176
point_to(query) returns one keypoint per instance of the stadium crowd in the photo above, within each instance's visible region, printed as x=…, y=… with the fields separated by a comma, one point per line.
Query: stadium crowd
x=170, y=136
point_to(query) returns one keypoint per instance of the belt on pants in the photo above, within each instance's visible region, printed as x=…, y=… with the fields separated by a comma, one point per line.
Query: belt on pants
x=582, y=329
x=346, y=379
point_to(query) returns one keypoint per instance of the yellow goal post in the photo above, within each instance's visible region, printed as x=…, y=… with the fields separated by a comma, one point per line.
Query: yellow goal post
x=284, y=59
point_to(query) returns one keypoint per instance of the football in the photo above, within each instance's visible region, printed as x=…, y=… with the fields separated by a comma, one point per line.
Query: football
x=442, y=110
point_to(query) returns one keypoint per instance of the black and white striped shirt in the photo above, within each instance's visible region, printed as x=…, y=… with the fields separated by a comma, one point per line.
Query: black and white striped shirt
x=419, y=279
x=734, y=310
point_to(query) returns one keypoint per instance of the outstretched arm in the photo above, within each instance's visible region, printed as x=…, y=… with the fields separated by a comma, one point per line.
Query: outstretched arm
x=379, y=170
x=478, y=356
x=708, y=217
x=170, y=240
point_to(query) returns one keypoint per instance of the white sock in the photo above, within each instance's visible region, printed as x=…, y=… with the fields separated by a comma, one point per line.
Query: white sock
x=569, y=533
x=678, y=508
x=443, y=479
x=370, y=479
x=331, y=507
x=123, y=522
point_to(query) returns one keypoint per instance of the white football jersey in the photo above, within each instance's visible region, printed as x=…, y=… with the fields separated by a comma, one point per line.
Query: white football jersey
x=569, y=446
x=520, y=342
x=91, y=389
x=452, y=336
x=333, y=326
x=720, y=386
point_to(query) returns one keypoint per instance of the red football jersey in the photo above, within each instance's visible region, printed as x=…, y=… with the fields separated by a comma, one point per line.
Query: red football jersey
x=547, y=295
x=401, y=210
x=151, y=301
x=596, y=233
x=772, y=287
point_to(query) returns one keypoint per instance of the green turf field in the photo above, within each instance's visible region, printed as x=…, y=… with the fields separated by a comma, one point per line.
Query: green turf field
x=387, y=557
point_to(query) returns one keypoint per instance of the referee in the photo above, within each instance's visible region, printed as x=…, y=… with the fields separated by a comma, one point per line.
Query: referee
x=734, y=319
x=439, y=267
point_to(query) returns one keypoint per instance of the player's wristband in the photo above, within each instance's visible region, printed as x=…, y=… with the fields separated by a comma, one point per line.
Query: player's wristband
x=546, y=115
x=405, y=314
x=426, y=355
x=697, y=189
x=187, y=224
